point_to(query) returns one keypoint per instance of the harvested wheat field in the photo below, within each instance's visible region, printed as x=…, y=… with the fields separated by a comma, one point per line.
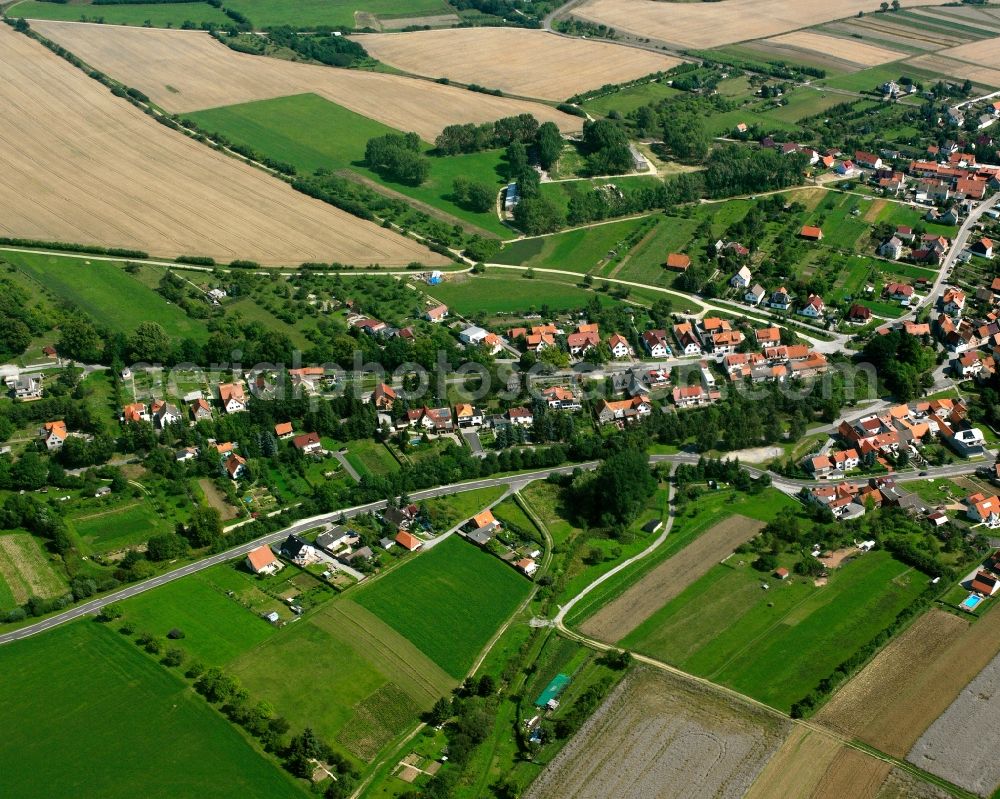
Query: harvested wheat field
x=896, y=697
x=630, y=609
x=962, y=744
x=660, y=735
x=531, y=63
x=696, y=25
x=903, y=785
x=190, y=71
x=852, y=773
x=960, y=70
x=985, y=53
x=80, y=165
x=864, y=55
x=797, y=767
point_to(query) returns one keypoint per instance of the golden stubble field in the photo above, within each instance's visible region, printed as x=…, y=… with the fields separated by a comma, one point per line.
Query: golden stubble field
x=859, y=53
x=82, y=166
x=531, y=63
x=190, y=71
x=698, y=25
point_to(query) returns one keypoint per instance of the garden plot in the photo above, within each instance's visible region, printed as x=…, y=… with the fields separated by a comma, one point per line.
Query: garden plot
x=962, y=744
x=618, y=618
x=661, y=735
x=190, y=71
x=532, y=63
x=25, y=570
x=79, y=165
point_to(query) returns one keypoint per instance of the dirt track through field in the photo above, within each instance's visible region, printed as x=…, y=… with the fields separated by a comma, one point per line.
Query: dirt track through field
x=190, y=71
x=531, y=63
x=896, y=697
x=80, y=165
x=715, y=24
x=630, y=609
x=660, y=735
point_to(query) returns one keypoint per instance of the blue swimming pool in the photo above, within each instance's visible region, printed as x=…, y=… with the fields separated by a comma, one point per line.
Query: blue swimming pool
x=971, y=602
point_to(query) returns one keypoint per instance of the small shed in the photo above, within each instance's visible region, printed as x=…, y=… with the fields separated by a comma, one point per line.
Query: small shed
x=781, y=573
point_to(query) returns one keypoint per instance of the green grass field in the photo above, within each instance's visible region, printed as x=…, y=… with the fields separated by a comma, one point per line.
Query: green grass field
x=159, y=15
x=371, y=457
x=114, y=528
x=628, y=100
x=345, y=672
x=25, y=570
x=576, y=250
x=79, y=693
x=105, y=292
x=448, y=601
x=510, y=292
x=216, y=628
x=645, y=262
x=335, y=13
x=310, y=132
x=776, y=645
x=868, y=80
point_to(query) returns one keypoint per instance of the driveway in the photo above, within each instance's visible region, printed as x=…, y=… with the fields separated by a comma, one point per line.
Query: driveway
x=472, y=438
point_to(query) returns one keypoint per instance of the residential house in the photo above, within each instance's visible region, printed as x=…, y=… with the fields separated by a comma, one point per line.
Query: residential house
x=900, y=292
x=383, y=397
x=186, y=454
x=436, y=420
x=859, y=314
x=232, y=397
x=755, y=295
x=892, y=249
x=472, y=335
x=781, y=300
x=408, y=541
x=984, y=583
x=678, y=262
x=620, y=348
x=200, y=409
x=436, y=314
x=967, y=364
x=953, y=303
x=298, y=550
x=370, y=326
x=234, y=465
x=527, y=566
x=306, y=379
x=25, y=387
x=263, y=561
x=284, y=430
x=686, y=338
x=54, y=434
x=814, y=307
x=521, y=416
x=561, y=398
x=655, y=342
x=846, y=460
x=623, y=411
x=968, y=443
x=820, y=465
x=580, y=343
x=308, y=443
x=334, y=540
x=768, y=337
x=468, y=415
x=904, y=233
x=164, y=413
x=741, y=280
x=867, y=160
x=983, y=248
x=691, y=396
x=135, y=412
x=983, y=510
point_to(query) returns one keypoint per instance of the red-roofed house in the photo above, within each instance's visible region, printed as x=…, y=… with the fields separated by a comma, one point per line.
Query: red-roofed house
x=408, y=541
x=263, y=561
x=678, y=262
x=54, y=434
x=232, y=397
x=307, y=443
x=619, y=346
x=983, y=247
x=436, y=314
x=283, y=430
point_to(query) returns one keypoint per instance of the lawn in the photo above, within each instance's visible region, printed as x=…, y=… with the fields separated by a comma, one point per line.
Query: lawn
x=445, y=512
x=105, y=292
x=83, y=691
x=310, y=133
x=371, y=457
x=503, y=291
x=347, y=674
x=217, y=629
x=159, y=15
x=645, y=262
x=114, y=528
x=627, y=100
x=335, y=13
x=868, y=80
x=576, y=250
x=776, y=645
x=448, y=601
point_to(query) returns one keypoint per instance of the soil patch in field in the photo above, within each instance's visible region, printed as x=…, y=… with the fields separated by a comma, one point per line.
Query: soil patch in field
x=80, y=165
x=896, y=697
x=531, y=63
x=624, y=614
x=661, y=735
x=962, y=744
x=203, y=73
x=836, y=558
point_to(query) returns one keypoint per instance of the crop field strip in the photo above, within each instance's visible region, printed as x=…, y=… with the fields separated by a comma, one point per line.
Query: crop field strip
x=860, y=53
x=190, y=71
x=662, y=735
x=700, y=25
x=80, y=165
x=530, y=63
x=620, y=617
x=25, y=569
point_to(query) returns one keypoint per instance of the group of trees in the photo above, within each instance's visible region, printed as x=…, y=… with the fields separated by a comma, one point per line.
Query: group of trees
x=471, y=138
x=614, y=495
x=903, y=362
x=327, y=48
x=397, y=156
x=606, y=146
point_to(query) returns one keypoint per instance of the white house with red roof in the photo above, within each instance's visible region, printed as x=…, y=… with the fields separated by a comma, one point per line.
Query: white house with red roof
x=436, y=314
x=655, y=342
x=620, y=348
x=263, y=561
x=232, y=397
x=983, y=510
